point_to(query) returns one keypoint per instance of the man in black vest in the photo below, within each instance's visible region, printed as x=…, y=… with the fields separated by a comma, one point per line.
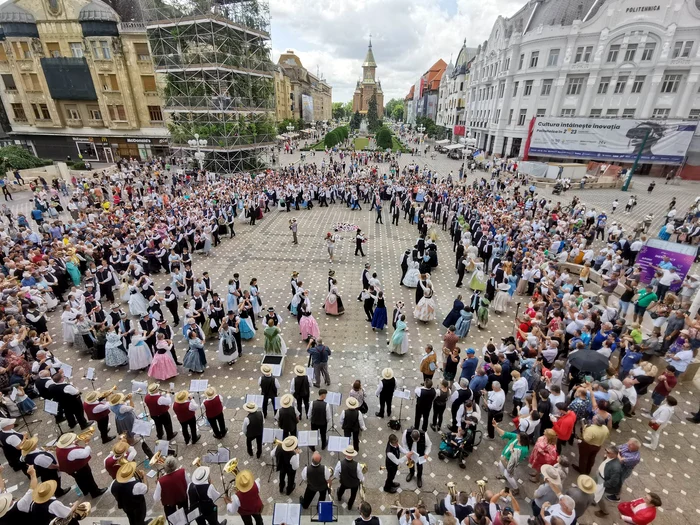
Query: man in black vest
x=105, y=280
x=366, y=517
x=287, y=416
x=253, y=428
x=385, y=392
x=457, y=399
x=171, y=304
x=44, y=463
x=40, y=507
x=350, y=473
x=460, y=508
x=286, y=458
x=416, y=446
x=320, y=414
x=391, y=462
x=352, y=421
x=301, y=389
x=424, y=402
x=68, y=399
x=129, y=491
x=11, y=441
x=202, y=495
x=317, y=478
x=268, y=388
x=365, y=279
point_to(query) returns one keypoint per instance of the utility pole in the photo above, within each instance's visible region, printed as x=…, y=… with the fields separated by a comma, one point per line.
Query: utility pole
x=626, y=185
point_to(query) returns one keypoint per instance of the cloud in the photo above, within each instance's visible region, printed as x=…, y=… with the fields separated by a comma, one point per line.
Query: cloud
x=408, y=36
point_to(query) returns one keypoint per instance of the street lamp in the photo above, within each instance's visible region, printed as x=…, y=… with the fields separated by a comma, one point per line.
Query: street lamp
x=290, y=128
x=420, y=130
x=199, y=155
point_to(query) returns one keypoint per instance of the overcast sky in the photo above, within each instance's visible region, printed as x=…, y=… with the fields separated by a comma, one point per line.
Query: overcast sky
x=408, y=36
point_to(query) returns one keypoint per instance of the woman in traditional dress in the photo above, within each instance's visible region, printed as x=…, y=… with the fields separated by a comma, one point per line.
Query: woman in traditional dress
x=274, y=344
x=115, y=355
x=255, y=297
x=138, y=305
x=178, y=284
x=245, y=325
x=68, y=324
x=412, y=276
x=501, y=300
x=307, y=324
x=228, y=345
x=399, y=339
x=482, y=314
x=195, y=360
x=334, y=303
x=453, y=316
x=464, y=322
x=232, y=297
x=426, y=307
x=163, y=367
x=478, y=280
x=216, y=314
x=84, y=338
x=139, y=353
x=379, y=317
x=124, y=415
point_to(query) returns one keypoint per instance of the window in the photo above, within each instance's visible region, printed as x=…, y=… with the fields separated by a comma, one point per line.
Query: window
x=520, y=64
x=568, y=112
x=628, y=113
x=3, y=55
x=18, y=111
x=611, y=113
x=638, y=84
x=515, y=89
x=9, y=82
x=507, y=66
x=21, y=50
x=106, y=51
x=155, y=113
x=583, y=54
x=596, y=113
x=76, y=49
x=109, y=83
x=31, y=82
x=694, y=114
x=117, y=112
x=553, y=57
x=501, y=89
x=53, y=49
x=660, y=113
x=574, y=85
x=540, y=112
x=603, y=86
x=682, y=49
x=612, y=52
x=149, y=83
x=620, y=84
x=510, y=117
x=630, y=52
x=521, y=117
x=670, y=83
x=528, y=88
x=546, y=87
x=41, y=111
x=94, y=112
x=534, y=58
x=72, y=113
x=497, y=117
x=648, y=52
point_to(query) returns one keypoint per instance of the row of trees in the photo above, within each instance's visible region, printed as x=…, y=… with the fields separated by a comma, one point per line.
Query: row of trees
x=298, y=124
x=342, y=110
x=337, y=136
x=394, y=109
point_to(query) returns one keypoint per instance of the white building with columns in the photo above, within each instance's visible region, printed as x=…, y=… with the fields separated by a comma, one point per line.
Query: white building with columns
x=453, y=93
x=584, y=58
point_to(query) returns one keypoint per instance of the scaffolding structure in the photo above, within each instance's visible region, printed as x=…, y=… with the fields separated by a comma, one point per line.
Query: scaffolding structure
x=212, y=58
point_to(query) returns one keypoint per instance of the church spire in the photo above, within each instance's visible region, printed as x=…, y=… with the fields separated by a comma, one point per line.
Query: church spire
x=369, y=58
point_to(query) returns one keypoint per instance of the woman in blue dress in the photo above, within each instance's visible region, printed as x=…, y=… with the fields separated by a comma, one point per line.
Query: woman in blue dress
x=454, y=314
x=231, y=298
x=195, y=360
x=245, y=326
x=464, y=322
x=379, y=318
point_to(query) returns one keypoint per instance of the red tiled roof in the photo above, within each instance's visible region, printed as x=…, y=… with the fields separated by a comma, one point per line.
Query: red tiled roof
x=434, y=74
x=410, y=93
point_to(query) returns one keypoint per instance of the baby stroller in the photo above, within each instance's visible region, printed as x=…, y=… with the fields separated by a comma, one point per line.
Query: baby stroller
x=458, y=445
x=558, y=187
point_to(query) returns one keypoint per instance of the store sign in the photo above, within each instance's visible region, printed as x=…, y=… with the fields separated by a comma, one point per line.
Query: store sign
x=82, y=139
x=138, y=141
x=643, y=9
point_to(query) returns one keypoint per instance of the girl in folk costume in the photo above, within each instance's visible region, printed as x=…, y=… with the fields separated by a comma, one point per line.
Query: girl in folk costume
x=295, y=284
x=399, y=339
x=334, y=303
x=464, y=322
x=501, y=300
x=245, y=326
x=195, y=360
x=216, y=314
x=232, y=296
x=138, y=305
x=478, y=280
x=115, y=355
x=397, y=313
x=482, y=313
x=255, y=297
x=139, y=353
x=67, y=322
x=178, y=284
x=124, y=415
x=228, y=351
x=307, y=324
x=426, y=308
x=412, y=276
x=274, y=344
x=163, y=367
x=379, y=320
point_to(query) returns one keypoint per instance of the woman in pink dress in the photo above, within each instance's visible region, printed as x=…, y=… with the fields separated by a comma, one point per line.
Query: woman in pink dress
x=163, y=367
x=307, y=324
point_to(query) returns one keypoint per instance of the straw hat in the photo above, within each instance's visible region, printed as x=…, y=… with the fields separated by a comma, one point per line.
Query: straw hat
x=6, y=422
x=201, y=475
x=387, y=373
x=287, y=400
x=181, y=396
x=290, y=444
x=351, y=403
x=551, y=474
x=244, y=481
x=250, y=407
x=66, y=440
x=91, y=397
x=350, y=451
x=266, y=370
x=299, y=370
x=153, y=387
x=45, y=491
x=210, y=392
x=120, y=448
x=116, y=399
x=126, y=472
x=5, y=503
x=28, y=445
x=586, y=484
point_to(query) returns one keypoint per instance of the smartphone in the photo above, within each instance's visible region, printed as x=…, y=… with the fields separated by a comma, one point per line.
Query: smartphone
x=506, y=490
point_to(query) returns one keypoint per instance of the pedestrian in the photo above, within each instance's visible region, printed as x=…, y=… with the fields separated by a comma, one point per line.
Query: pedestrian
x=615, y=204
x=319, y=354
x=293, y=227
x=428, y=363
x=494, y=401
x=359, y=240
x=379, y=215
x=594, y=436
x=660, y=419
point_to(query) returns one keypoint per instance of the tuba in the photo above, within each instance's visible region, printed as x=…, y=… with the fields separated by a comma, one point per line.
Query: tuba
x=452, y=490
x=157, y=462
x=231, y=467
x=81, y=512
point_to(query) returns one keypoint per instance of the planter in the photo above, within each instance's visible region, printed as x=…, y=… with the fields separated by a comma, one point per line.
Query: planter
x=276, y=361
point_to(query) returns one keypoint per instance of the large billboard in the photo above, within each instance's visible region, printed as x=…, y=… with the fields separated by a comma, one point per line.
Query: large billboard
x=612, y=139
x=307, y=108
x=682, y=256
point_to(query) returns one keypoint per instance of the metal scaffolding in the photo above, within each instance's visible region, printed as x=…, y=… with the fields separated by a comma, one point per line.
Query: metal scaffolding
x=216, y=75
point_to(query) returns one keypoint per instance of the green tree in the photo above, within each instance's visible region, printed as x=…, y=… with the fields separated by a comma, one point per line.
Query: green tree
x=348, y=109
x=391, y=105
x=397, y=112
x=356, y=120
x=331, y=139
x=383, y=138
x=339, y=110
x=372, y=115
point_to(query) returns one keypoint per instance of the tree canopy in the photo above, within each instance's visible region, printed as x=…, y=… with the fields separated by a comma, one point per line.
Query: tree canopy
x=373, y=122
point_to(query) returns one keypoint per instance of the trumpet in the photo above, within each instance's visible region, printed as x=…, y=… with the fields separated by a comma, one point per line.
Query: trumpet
x=86, y=435
x=410, y=463
x=276, y=443
x=452, y=489
x=481, y=483
x=197, y=462
x=103, y=395
x=156, y=459
x=81, y=512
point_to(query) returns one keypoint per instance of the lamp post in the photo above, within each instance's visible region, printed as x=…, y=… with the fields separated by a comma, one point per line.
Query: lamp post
x=290, y=128
x=420, y=130
x=199, y=144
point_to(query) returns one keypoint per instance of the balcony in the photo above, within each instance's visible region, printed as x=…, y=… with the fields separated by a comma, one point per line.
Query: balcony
x=74, y=122
x=132, y=27
x=92, y=123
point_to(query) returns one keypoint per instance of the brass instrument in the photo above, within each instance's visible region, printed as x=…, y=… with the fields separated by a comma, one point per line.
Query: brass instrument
x=361, y=491
x=82, y=511
x=452, y=490
x=231, y=467
x=86, y=435
x=276, y=443
x=410, y=463
x=330, y=483
x=197, y=462
x=481, y=483
x=106, y=393
x=157, y=462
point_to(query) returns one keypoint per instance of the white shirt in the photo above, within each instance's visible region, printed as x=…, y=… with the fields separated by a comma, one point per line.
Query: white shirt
x=414, y=447
x=79, y=453
x=156, y=492
x=360, y=475
x=139, y=488
x=329, y=413
x=669, y=278
x=294, y=461
x=496, y=400
x=519, y=388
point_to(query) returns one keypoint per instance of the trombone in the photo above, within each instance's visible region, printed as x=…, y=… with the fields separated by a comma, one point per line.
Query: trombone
x=452, y=490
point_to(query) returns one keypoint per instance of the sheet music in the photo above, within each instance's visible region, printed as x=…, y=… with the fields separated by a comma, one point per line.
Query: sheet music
x=310, y=373
x=275, y=403
x=270, y=434
x=178, y=517
x=67, y=370
x=162, y=447
x=308, y=438
x=254, y=398
x=142, y=428
x=199, y=385
x=288, y=513
x=90, y=374
x=13, y=394
x=210, y=457
x=403, y=394
x=151, y=474
x=334, y=398
x=276, y=370
x=420, y=460
x=50, y=407
x=139, y=387
x=172, y=387
x=338, y=443
x=193, y=515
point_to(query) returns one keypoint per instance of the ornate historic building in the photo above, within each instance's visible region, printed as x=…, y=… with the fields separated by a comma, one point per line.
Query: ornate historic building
x=301, y=95
x=368, y=86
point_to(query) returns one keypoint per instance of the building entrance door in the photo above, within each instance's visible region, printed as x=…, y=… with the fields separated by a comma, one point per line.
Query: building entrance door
x=109, y=155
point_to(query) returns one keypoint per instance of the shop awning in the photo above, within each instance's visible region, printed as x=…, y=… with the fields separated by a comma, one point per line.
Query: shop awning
x=443, y=141
x=454, y=146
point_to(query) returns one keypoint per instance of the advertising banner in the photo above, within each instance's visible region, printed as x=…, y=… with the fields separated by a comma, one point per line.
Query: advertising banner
x=659, y=141
x=307, y=108
x=681, y=256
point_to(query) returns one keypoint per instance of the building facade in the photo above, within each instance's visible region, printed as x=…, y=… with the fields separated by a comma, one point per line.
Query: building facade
x=284, y=96
x=311, y=97
x=453, y=93
x=368, y=87
x=428, y=90
x=584, y=58
x=78, y=82
x=409, y=106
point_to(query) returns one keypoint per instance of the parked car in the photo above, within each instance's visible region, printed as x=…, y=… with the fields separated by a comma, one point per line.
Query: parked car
x=440, y=148
x=457, y=153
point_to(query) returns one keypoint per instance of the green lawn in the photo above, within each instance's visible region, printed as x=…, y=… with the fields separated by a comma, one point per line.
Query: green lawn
x=361, y=143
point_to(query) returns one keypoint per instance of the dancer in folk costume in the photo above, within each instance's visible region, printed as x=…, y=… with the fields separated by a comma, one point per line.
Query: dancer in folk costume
x=274, y=343
x=478, y=280
x=139, y=354
x=426, y=308
x=482, y=314
x=397, y=313
x=501, y=300
x=228, y=351
x=379, y=318
x=163, y=366
x=334, y=303
x=256, y=297
x=399, y=339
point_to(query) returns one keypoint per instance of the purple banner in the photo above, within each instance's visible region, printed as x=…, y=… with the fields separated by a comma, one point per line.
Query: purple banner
x=650, y=257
